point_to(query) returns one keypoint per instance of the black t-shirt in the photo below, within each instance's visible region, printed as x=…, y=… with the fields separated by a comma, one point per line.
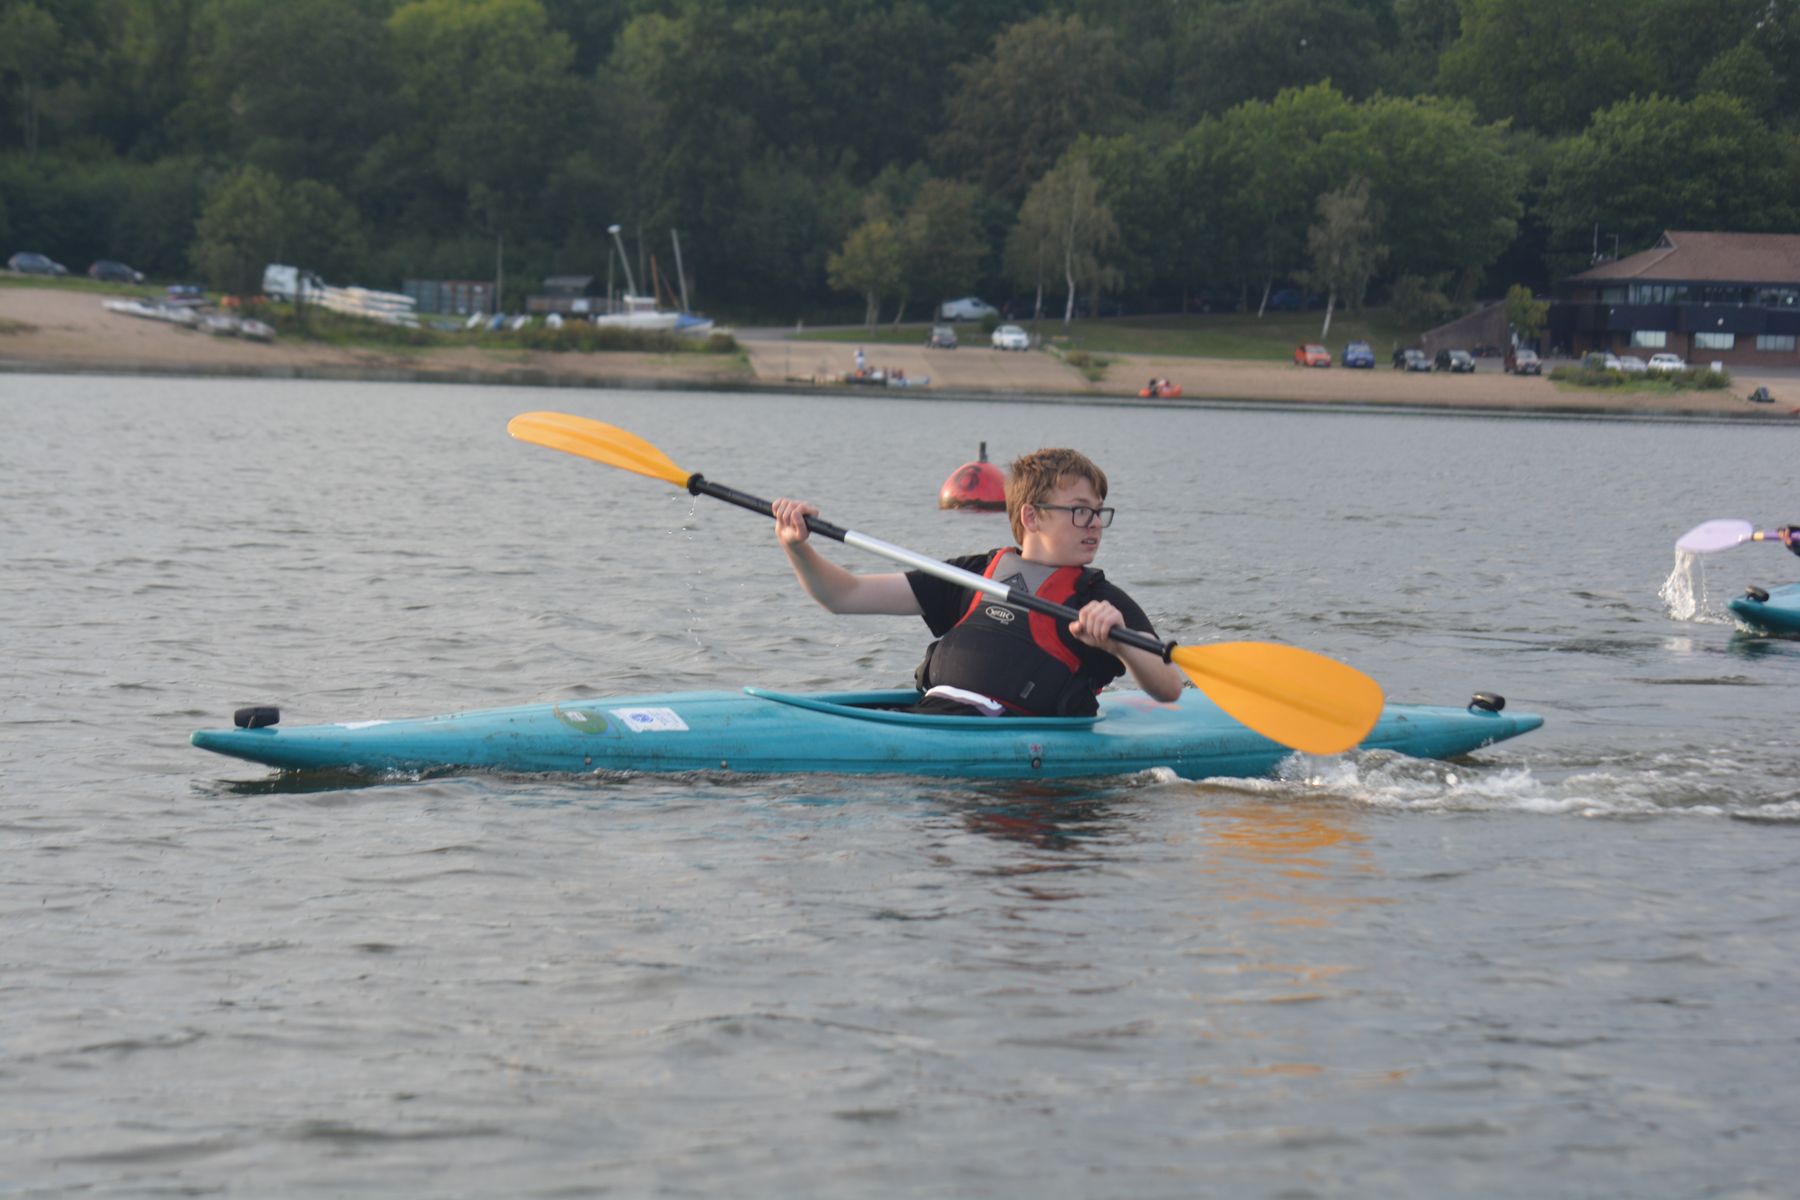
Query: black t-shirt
x=943, y=604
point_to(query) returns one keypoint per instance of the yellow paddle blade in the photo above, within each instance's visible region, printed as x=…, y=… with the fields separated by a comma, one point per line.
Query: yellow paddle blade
x=1303, y=700
x=596, y=440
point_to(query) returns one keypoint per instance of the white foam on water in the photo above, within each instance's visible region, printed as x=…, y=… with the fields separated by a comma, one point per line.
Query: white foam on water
x=1684, y=594
x=1383, y=780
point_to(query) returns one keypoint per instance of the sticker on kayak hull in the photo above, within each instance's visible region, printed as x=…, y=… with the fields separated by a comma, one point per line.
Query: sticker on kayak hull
x=584, y=719
x=650, y=720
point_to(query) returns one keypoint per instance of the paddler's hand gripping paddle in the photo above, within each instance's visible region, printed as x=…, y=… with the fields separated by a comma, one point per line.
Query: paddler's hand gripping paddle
x=1303, y=700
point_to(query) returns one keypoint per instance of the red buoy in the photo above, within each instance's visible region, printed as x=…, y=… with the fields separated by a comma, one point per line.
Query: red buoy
x=979, y=485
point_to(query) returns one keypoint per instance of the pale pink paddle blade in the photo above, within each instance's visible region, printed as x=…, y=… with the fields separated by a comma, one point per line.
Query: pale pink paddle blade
x=1714, y=536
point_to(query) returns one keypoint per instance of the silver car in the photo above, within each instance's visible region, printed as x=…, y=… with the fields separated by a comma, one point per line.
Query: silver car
x=25, y=262
x=1011, y=337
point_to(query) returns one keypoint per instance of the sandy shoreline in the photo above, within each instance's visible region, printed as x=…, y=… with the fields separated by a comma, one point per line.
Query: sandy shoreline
x=49, y=330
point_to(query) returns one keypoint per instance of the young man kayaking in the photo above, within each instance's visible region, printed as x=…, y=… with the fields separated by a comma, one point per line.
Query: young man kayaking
x=991, y=658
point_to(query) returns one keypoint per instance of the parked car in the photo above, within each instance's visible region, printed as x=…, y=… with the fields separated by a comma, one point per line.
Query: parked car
x=1358, y=354
x=1011, y=337
x=941, y=337
x=109, y=271
x=27, y=262
x=1311, y=354
x=966, y=309
x=1459, y=362
x=1411, y=359
x=1524, y=361
x=1631, y=364
x=1666, y=363
x=1292, y=300
x=1600, y=360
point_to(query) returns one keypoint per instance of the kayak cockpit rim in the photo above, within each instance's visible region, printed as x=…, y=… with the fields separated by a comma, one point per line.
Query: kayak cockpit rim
x=889, y=706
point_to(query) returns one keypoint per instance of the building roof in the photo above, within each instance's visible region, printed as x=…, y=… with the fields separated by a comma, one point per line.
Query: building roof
x=1708, y=258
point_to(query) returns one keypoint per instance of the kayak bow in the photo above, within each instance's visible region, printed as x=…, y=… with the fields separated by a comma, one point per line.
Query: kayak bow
x=1775, y=610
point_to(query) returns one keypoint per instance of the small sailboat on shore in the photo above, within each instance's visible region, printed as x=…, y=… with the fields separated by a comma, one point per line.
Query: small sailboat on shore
x=644, y=312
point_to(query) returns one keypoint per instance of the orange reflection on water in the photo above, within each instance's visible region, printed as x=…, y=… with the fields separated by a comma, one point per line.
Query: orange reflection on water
x=1287, y=860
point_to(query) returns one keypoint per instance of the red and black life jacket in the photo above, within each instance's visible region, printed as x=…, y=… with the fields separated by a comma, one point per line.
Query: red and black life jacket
x=1025, y=659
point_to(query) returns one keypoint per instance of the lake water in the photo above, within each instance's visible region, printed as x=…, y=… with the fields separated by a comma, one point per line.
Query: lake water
x=1568, y=966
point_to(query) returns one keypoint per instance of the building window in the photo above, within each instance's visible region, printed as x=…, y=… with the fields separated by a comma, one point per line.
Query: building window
x=1649, y=339
x=1714, y=341
x=1775, y=341
x=1657, y=293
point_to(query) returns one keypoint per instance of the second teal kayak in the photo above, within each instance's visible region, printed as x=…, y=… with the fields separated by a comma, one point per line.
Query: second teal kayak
x=1776, y=610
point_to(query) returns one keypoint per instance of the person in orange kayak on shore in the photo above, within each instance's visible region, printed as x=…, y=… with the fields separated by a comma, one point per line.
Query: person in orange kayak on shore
x=992, y=658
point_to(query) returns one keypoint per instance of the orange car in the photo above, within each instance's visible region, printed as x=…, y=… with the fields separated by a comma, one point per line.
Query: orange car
x=1311, y=354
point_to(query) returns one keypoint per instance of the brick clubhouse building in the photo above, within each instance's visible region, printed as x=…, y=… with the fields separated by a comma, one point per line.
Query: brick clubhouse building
x=1709, y=297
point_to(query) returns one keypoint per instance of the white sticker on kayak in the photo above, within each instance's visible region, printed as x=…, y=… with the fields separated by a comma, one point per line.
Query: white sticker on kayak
x=360, y=724
x=651, y=720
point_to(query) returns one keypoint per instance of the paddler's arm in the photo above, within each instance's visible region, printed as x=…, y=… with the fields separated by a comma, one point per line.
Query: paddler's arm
x=1094, y=626
x=836, y=589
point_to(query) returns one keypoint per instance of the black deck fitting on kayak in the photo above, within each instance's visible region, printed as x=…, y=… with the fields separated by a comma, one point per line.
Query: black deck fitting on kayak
x=1487, y=701
x=256, y=716
x=1757, y=594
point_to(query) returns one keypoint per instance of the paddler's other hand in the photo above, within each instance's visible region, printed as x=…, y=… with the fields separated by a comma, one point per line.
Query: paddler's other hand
x=1790, y=537
x=790, y=520
x=1094, y=624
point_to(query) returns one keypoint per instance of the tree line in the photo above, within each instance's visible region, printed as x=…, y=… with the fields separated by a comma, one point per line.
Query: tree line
x=886, y=154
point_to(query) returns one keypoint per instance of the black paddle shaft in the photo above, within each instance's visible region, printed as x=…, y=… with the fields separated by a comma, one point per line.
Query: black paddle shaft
x=699, y=485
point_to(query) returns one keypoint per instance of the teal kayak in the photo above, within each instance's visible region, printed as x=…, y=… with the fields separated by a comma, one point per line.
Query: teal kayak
x=1776, y=610
x=850, y=733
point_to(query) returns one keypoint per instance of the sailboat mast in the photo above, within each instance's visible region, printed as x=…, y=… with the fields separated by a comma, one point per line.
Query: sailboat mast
x=630, y=283
x=680, y=274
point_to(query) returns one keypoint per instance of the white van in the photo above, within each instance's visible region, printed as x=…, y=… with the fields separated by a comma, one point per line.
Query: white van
x=281, y=282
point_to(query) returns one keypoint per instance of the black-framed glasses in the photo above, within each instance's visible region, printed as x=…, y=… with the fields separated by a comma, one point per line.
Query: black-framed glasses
x=1082, y=516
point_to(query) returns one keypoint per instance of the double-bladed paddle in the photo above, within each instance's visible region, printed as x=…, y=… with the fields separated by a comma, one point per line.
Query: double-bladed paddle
x=1710, y=537
x=1303, y=700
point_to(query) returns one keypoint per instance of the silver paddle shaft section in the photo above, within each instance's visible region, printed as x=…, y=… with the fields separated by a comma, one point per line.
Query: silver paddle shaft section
x=992, y=587
x=700, y=485
x=930, y=566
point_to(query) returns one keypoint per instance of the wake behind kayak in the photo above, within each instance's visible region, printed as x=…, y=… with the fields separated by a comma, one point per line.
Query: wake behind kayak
x=850, y=733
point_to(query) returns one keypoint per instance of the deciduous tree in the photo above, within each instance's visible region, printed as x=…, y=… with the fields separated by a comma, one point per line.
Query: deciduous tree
x=1643, y=166
x=240, y=231
x=1524, y=312
x=1345, y=247
x=869, y=265
x=942, y=240
x=31, y=53
x=1546, y=64
x=1064, y=217
x=1047, y=81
